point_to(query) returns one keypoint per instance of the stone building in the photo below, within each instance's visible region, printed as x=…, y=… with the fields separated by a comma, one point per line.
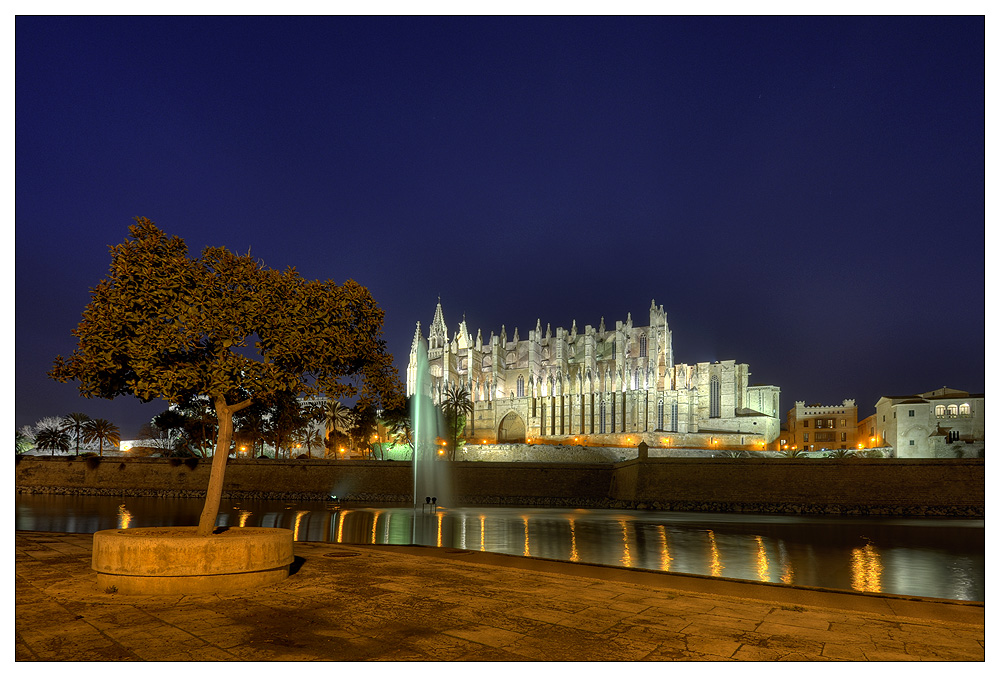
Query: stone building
x=605, y=386
x=942, y=423
x=819, y=426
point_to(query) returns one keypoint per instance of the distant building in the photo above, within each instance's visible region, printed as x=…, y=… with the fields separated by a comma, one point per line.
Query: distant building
x=610, y=386
x=820, y=426
x=867, y=434
x=942, y=423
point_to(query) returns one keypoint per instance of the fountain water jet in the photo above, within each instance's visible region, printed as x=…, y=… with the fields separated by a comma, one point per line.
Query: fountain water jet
x=431, y=474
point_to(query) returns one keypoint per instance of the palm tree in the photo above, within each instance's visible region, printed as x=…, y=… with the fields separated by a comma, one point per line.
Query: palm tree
x=310, y=438
x=73, y=423
x=841, y=453
x=53, y=439
x=794, y=453
x=337, y=418
x=457, y=403
x=101, y=430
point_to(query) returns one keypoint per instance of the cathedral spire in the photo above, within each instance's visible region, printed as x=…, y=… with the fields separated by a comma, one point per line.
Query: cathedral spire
x=439, y=331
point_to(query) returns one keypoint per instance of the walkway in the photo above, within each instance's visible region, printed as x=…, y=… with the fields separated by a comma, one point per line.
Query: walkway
x=360, y=603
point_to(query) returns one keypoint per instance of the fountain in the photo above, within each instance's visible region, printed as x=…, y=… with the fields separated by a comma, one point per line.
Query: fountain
x=431, y=471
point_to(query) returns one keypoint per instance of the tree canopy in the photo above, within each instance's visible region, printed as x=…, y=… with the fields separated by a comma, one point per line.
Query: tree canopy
x=166, y=325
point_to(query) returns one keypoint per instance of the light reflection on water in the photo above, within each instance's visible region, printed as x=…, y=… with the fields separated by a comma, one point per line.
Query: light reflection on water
x=924, y=557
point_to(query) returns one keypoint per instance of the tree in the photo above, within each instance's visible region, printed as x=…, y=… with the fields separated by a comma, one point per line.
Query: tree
x=310, y=438
x=397, y=422
x=74, y=423
x=223, y=326
x=365, y=425
x=22, y=442
x=101, y=430
x=338, y=420
x=456, y=405
x=52, y=438
x=283, y=421
x=794, y=453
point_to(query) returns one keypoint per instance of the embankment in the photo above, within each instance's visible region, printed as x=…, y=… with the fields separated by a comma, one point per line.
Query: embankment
x=953, y=487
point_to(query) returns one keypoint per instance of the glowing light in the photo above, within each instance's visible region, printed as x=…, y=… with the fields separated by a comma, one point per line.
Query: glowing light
x=440, y=517
x=298, y=519
x=124, y=517
x=244, y=516
x=482, y=532
x=375, y=525
x=716, y=564
x=866, y=569
x=626, y=553
x=574, y=556
x=527, y=539
x=665, y=557
x=762, y=566
x=340, y=525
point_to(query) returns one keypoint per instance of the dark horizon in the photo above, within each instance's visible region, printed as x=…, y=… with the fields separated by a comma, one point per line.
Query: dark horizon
x=802, y=194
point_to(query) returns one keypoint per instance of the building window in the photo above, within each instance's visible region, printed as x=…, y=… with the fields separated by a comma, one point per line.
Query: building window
x=939, y=411
x=843, y=437
x=910, y=414
x=659, y=415
x=714, y=393
x=602, y=416
x=805, y=437
x=635, y=380
x=953, y=435
x=911, y=443
x=805, y=423
x=642, y=345
x=952, y=410
x=843, y=423
x=673, y=417
x=520, y=386
x=965, y=410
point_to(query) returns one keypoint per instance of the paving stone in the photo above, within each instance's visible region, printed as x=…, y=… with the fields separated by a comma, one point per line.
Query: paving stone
x=417, y=604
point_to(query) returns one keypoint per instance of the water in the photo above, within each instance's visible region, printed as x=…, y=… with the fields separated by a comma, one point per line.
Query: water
x=902, y=556
x=430, y=470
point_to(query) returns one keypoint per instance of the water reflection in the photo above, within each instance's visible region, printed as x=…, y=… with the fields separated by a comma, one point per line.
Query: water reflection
x=715, y=567
x=124, y=517
x=762, y=567
x=927, y=557
x=866, y=569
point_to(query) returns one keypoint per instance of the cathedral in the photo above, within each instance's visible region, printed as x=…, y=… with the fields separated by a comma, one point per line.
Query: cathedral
x=600, y=386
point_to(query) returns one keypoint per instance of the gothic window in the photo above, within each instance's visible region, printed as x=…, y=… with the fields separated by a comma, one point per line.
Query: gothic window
x=965, y=410
x=520, y=386
x=673, y=417
x=635, y=380
x=659, y=415
x=642, y=345
x=602, y=416
x=714, y=395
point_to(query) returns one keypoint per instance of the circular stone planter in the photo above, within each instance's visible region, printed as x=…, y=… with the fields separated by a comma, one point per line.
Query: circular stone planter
x=171, y=560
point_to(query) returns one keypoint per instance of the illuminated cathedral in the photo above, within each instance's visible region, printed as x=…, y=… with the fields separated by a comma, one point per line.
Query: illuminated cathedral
x=599, y=386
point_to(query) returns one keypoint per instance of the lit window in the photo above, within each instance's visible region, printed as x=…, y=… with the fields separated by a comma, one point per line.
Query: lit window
x=805, y=437
x=939, y=411
x=965, y=410
x=952, y=410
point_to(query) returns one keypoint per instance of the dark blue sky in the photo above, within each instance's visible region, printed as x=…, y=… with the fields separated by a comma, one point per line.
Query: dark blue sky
x=805, y=195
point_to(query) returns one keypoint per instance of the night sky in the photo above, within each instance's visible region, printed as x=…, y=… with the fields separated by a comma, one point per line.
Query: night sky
x=805, y=195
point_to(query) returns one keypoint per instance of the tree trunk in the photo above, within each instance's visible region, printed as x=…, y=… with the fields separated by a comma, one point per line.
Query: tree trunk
x=206, y=524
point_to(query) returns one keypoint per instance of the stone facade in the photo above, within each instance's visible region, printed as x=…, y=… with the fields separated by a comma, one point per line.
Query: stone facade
x=942, y=423
x=600, y=386
x=818, y=426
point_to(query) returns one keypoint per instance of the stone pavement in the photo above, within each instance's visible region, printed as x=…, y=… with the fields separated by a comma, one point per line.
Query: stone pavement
x=396, y=603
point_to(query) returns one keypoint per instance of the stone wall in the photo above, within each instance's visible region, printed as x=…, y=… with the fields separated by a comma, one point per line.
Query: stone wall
x=856, y=486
